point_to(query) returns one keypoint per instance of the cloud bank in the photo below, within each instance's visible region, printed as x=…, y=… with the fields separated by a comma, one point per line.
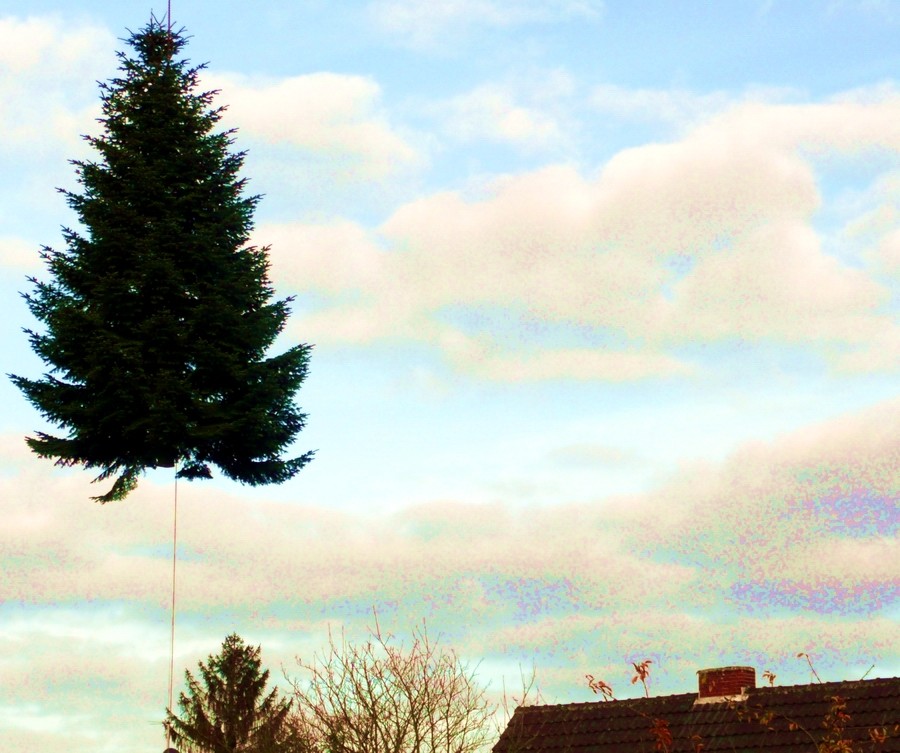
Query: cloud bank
x=784, y=547
x=710, y=239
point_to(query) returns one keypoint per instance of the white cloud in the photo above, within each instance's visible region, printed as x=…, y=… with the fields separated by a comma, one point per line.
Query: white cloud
x=880, y=354
x=852, y=123
x=423, y=23
x=47, y=46
x=765, y=516
x=491, y=112
x=19, y=255
x=332, y=115
x=874, y=226
x=766, y=513
x=709, y=238
x=333, y=259
x=593, y=455
x=681, y=108
x=48, y=74
x=776, y=282
x=681, y=643
x=888, y=254
x=873, y=560
x=573, y=363
x=676, y=106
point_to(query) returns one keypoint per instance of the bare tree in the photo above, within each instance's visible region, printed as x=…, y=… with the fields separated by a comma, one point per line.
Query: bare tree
x=383, y=697
x=513, y=735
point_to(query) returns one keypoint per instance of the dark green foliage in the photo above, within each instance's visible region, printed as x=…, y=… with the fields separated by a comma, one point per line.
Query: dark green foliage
x=227, y=709
x=158, y=319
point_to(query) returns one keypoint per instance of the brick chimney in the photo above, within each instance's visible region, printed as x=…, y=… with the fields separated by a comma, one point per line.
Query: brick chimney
x=725, y=681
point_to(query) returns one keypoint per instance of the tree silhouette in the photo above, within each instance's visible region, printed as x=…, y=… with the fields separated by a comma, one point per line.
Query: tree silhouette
x=227, y=709
x=159, y=315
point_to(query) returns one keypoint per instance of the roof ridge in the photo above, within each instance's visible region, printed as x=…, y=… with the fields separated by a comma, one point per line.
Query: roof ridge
x=762, y=689
x=843, y=683
x=637, y=699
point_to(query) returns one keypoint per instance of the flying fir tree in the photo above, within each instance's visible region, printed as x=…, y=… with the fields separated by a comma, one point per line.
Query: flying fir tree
x=158, y=318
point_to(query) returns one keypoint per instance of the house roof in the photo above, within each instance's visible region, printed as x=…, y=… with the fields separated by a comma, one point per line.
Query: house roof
x=765, y=720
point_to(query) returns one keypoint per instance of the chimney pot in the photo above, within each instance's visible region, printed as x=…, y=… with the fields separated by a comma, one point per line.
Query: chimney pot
x=725, y=681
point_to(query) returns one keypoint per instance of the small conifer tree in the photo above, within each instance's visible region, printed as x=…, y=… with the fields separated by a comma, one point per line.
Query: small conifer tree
x=227, y=710
x=158, y=318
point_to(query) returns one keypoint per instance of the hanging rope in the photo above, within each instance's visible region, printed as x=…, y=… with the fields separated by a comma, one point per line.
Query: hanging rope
x=174, y=505
x=172, y=634
x=169, y=41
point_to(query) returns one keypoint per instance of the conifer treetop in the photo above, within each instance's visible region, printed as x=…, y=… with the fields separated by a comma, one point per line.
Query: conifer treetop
x=227, y=708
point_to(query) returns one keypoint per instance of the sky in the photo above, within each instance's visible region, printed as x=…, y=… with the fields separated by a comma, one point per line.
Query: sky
x=605, y=306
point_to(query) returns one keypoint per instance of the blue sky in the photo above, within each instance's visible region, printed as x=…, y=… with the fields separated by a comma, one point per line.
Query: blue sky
x=604, y=299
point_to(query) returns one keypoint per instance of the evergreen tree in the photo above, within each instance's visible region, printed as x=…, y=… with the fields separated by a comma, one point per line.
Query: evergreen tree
x=227, y=710
x=158, y=318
